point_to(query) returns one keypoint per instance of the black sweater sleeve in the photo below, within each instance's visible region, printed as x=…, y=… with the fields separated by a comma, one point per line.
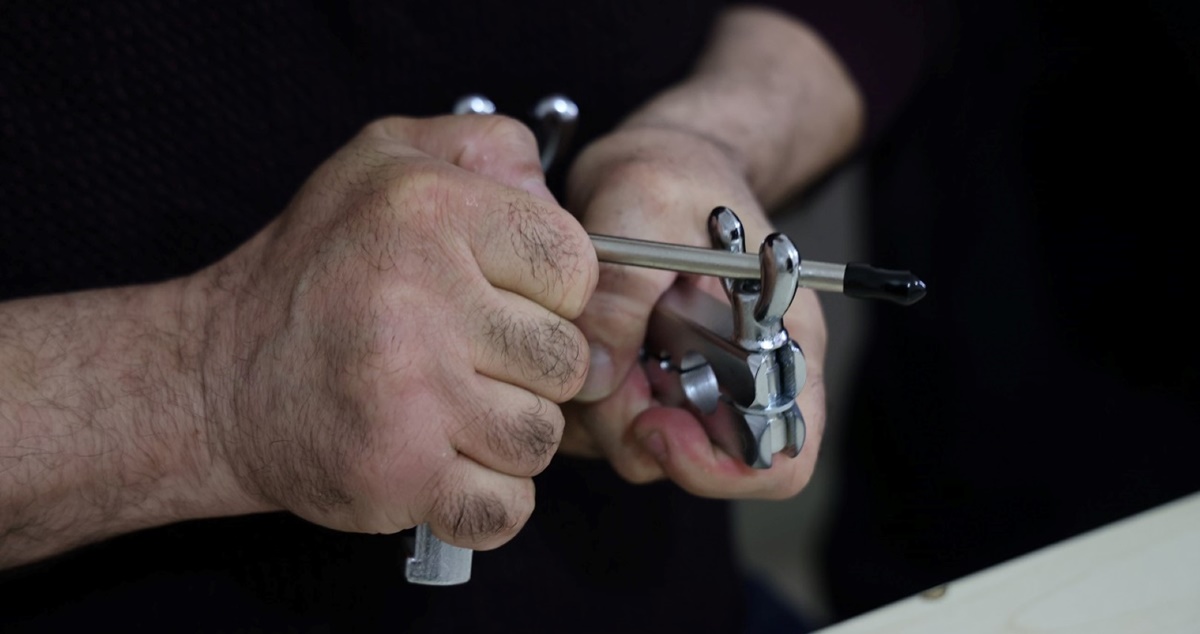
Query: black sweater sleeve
x=887, y=45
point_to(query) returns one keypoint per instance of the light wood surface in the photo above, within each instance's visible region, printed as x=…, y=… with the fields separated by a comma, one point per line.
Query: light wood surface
x=1138, y=575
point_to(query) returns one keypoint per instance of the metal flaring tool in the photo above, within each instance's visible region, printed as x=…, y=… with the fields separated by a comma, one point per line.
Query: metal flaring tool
x=733, y=365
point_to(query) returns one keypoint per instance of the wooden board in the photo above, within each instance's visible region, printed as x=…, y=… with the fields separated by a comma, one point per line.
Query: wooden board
x=1141, y=574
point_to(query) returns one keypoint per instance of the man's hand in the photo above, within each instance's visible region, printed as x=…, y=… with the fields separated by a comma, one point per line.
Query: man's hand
x=767, y=108
x=392, y=349
x=661, y=184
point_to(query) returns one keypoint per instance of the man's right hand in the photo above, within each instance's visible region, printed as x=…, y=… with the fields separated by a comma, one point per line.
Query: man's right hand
x=392, y=349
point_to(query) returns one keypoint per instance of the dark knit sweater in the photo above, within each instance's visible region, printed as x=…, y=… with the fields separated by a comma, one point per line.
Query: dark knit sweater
x=144, y=139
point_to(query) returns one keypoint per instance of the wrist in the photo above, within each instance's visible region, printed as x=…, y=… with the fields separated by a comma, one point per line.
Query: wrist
x=206, y=321
x=772, y=95
x=183, y=474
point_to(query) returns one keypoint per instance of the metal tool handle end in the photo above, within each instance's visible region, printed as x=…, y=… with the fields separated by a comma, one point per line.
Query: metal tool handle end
x=436, y=563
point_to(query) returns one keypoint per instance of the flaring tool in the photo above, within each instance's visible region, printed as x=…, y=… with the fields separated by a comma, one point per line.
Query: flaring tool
x=734, y=366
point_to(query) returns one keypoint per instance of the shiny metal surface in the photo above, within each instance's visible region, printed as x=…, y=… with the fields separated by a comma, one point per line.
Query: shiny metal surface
x=823, y=276
x=474, y=104
x=436, y=563
x=556, y=116
x=819, y=276
x=734, y=365
x=675, y=257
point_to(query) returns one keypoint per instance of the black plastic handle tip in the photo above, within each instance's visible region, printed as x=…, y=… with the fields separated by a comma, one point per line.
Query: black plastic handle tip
x=867, y=282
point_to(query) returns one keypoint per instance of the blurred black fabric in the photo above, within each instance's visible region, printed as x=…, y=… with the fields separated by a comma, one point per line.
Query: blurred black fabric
x=1042, y=182
x=143, y=139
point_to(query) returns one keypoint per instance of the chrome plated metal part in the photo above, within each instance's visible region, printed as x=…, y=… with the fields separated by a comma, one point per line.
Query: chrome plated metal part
x=855, y=279
x=556, y=116
x=819, y=276
x=436, y=563
x=734, y=366
x=474, y=104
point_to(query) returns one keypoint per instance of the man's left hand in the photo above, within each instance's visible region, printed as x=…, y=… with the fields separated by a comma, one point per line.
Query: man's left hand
x=660, y=183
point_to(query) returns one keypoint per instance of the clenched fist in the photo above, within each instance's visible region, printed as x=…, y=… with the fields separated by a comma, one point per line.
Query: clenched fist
x=393, y=348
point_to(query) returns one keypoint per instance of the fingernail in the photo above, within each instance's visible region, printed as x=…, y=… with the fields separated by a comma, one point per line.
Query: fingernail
x=538, y=188
x=598, y=383
x=655, y=445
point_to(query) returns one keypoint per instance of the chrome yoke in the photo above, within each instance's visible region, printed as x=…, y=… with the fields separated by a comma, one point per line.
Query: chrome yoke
x=734, y=366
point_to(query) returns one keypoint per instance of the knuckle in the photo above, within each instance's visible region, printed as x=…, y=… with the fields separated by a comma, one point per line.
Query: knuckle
x=389, y=194
x=574, y=355
x=385, y=128
x=394, y=450
x=551, y=353
x=424, y=179
x=580, y=269
x=558, y=252
x=529, y=437
x=417, y=200
x=483, y=520
x=506, y=130
x=498, y=139
x=478, y=517
x=659, y=184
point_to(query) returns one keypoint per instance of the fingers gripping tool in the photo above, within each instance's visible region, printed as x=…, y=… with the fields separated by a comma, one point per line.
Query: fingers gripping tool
x=434, y=562
x=737, y=370
x=733, y=365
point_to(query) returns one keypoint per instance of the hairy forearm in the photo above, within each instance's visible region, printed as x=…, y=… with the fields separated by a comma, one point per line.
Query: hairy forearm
x=101, y=419
x=772, y=95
